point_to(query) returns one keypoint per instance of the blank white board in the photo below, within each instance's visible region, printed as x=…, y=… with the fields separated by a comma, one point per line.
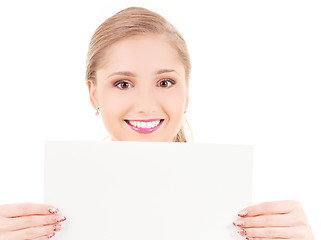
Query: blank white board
x=147, y=190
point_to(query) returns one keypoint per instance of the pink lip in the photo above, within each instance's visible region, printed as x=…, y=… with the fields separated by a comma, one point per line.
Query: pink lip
x=145, y=130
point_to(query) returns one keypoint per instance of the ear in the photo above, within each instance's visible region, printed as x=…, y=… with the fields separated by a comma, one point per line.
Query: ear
x=92, y=93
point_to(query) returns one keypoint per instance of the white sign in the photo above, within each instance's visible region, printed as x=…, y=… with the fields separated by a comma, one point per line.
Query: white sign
x=147, y=190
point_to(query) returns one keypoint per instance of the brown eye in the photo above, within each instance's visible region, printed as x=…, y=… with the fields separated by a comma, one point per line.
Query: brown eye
x=122, y=85
x=166, y=83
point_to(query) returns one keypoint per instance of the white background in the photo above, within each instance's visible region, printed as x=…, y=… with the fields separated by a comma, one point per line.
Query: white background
x=256, y=72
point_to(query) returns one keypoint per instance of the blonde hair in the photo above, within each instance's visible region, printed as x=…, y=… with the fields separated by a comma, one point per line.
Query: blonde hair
x=129, y=22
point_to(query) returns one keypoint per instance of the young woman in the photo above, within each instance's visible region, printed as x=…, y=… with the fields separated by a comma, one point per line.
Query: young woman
x=138, y=71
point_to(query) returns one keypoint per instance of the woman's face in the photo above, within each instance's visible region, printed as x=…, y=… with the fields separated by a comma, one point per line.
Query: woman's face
x=141, y=90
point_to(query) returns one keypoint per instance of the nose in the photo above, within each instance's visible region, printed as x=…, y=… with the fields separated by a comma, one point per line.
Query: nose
x=145, y=101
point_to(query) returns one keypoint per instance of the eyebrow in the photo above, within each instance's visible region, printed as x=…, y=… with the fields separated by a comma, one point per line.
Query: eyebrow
x=130, y=74
x=165, y=71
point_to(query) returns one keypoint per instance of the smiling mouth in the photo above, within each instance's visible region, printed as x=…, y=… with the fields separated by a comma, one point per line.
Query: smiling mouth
x=145, y=123
x=145, y=126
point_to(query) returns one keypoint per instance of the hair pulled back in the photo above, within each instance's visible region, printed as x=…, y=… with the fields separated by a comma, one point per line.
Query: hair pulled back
x=129, y=22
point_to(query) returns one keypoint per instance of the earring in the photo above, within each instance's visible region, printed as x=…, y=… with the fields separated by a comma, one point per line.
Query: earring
x=97, y=111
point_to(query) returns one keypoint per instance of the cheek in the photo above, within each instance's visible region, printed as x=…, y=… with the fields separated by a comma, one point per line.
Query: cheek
x=174, y=103
x=113, y=105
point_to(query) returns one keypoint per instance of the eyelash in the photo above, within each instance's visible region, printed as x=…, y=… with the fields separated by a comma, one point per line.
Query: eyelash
x=172, y=82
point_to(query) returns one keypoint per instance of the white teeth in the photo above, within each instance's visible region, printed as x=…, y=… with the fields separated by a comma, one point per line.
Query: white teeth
x=144, y=124
x=155, y=123
x=133, y=123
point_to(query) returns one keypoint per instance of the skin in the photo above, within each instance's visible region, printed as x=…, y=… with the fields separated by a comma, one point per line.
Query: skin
x=28, y=221
x=144, y=98
x=274, y=220
x=147, y=64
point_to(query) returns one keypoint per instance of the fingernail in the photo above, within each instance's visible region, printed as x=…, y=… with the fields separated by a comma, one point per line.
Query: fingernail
x=242, y=232
x=51, y=235
x=249, y=238
x=60, y=219
x=243, y=214
x=53, y=210
x=57, y=227
x=238, y=223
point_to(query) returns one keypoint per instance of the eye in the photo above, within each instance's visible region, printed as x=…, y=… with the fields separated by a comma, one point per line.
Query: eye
x=166, y=83
x=122, y=84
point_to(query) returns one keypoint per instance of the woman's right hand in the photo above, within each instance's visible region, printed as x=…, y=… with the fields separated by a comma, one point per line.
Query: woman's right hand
x=29, y=221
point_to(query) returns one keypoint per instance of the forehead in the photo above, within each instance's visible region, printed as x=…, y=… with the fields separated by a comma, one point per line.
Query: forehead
x=141, y=52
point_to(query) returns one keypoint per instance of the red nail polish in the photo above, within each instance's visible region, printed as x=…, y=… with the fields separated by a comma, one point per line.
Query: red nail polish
x=60, y=219
x=243, y=214
x=242, y=232
x=57, y=227
x=53, y=210
x=238, y=224
x=51, y=235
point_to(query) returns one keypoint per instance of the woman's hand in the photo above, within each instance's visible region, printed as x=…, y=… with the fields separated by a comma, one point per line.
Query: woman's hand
x=274, y=220
x=29, y=221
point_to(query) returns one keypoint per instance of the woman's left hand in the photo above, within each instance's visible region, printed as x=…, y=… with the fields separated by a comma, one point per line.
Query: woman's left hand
x=274, y=220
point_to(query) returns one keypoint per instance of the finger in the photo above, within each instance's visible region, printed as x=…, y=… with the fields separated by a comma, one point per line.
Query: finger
x=270, y=232
x=18, y=223
x=249, y=238
x=282, y=220
x=46, y=237
x=277, y=207
x=34, y=233
x=25, y=209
